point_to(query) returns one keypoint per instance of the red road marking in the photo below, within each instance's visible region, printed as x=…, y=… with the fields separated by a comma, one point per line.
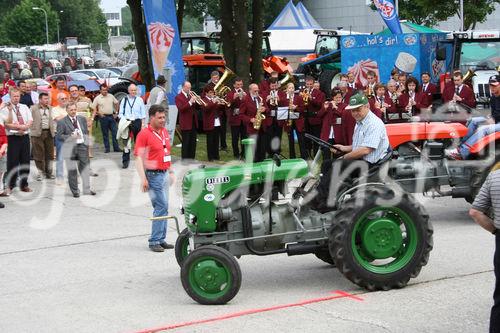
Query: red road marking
x=338, y=294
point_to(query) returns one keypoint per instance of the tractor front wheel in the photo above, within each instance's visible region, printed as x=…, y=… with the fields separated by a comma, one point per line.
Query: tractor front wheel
x=381, y=238
x=211, y=275
x=182, y=246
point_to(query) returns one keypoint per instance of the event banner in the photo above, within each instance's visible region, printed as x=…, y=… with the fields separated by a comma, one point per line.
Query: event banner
x=387, y=10
x=166, y=53
x=409, y=53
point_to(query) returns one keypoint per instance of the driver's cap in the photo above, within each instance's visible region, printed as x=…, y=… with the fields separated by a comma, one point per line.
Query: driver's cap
x=357, y=100
x=494, y=80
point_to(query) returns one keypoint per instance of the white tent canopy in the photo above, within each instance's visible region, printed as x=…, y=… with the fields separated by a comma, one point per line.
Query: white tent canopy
x=292, y=32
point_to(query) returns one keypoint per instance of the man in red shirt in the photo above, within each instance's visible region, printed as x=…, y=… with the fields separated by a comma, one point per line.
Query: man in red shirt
x=6, y=84
x=3, y=157
x=153, y=161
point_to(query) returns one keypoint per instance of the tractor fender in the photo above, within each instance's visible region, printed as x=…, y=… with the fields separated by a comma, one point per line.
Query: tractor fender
x=5, y=64
x=38, y=63
x=484, y=142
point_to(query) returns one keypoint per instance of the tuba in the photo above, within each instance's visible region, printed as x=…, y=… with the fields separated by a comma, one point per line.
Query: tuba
x=259, y=116
x=468, y=76
x=286, y=80
x=221, y=89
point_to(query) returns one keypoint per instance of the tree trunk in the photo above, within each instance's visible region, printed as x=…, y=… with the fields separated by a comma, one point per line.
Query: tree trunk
x=241, y=40
x=227, y=32
x=180, y=13
x=141, y=43
x=257, y=37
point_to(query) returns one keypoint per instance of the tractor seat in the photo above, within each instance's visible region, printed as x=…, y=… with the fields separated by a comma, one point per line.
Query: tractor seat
x=374, y=169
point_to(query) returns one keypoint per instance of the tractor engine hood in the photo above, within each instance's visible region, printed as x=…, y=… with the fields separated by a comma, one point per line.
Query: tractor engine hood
x=202, y=189
x=406, y=132
x=22, y=64
x=55, y=63
x=88, y=61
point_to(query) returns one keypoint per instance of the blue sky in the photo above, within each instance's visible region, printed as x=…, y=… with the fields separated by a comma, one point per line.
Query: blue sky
x=113, y=4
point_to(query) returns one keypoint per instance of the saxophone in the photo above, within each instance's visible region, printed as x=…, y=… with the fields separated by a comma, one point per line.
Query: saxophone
x=290, y=105
x=259, y=116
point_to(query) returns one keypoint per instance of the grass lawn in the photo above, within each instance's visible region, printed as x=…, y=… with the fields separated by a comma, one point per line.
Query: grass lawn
x=201, y=146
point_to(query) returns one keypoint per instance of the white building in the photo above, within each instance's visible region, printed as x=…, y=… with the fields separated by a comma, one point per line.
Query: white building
x=113, y=13
x=358, y=16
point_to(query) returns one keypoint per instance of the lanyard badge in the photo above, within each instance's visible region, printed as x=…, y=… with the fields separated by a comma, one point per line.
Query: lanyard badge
x=163, y=139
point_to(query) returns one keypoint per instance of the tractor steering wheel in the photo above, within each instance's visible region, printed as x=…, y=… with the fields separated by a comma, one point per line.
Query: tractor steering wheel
x=320, y=142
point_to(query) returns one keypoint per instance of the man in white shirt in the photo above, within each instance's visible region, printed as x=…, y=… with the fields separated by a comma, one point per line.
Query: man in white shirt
x=18, y=121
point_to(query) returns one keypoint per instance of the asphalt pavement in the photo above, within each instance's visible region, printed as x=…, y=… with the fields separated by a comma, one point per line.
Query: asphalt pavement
x=83, y=265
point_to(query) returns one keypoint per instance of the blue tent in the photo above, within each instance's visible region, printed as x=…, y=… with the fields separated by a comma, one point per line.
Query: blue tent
x=292, y=32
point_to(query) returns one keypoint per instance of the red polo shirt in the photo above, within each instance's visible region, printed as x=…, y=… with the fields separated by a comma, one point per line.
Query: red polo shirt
x=3, y=138
x=154, y=148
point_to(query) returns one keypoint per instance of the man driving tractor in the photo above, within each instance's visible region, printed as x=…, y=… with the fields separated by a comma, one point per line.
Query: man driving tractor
x=370, y=145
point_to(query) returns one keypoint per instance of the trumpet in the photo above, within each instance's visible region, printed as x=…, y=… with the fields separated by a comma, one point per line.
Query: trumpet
x=241, y=93
x=274, y=98
x=221, y=101
x=369, y=91
x=259, y=116
x=306, y=95
x=197, y=97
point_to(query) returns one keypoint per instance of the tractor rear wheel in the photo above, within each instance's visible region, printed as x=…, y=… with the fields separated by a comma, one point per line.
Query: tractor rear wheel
x=211, y=275
x=36, y=72
x=182, y=246
x=381, y=238
x=119, y=90
x=2, y=71
x=328, y=80
x=67, y=69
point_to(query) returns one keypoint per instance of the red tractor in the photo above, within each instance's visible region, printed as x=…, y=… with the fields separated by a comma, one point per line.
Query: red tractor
x=44, y=61
x=79, y=57
x=13, y=61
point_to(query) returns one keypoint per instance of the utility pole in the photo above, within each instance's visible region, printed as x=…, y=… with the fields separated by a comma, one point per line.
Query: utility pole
x=58, y=38
x=461, y=15
x=46, y=22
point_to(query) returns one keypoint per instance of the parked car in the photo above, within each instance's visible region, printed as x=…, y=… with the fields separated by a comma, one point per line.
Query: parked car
x=117, y=70
x=92, y=86
x=102, y=75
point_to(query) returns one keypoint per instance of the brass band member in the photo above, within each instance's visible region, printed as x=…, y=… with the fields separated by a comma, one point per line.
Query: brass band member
x=274, y=99
x=411, y=101
x=212, y=110
x=332, y=129
x=295, y=103
x=238, y=129
x=251, y=103
x=371, y=77
x=188, y=120
x=315, y=100
x=381, y=105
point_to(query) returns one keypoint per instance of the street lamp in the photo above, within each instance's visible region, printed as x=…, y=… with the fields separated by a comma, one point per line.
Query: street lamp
x=58, y=39
x=46, y=22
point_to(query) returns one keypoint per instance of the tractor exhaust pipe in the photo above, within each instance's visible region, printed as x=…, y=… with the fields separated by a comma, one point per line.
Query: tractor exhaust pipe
x=302, y=248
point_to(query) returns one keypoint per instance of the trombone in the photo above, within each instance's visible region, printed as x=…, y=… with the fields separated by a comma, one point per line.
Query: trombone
x=197, y=97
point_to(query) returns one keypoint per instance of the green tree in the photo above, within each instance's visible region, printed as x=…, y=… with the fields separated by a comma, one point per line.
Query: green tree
x=83, y=19
x=126, y=28
x=431, y=12
x=24, y=26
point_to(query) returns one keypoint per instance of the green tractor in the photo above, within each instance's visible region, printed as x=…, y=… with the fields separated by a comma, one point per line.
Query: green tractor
x=378, y=237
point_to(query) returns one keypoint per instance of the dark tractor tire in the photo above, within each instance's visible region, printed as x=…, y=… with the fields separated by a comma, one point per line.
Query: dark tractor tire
x=211, y=275
x=36, y=72
x=182, y=246
x=119, y=90
x=15, y=73
x=378, y=246
x=325, y=256
x=325, y=81
x=2, y=72
x=67, y=69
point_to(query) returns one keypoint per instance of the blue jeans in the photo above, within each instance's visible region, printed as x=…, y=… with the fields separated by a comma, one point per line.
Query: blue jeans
x=472, y=126
x=464, y=148
x=59, y=158
x=158, y=193
x=109, y=123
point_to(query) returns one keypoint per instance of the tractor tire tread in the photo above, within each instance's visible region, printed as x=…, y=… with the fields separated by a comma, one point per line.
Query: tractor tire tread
x=346, y=263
